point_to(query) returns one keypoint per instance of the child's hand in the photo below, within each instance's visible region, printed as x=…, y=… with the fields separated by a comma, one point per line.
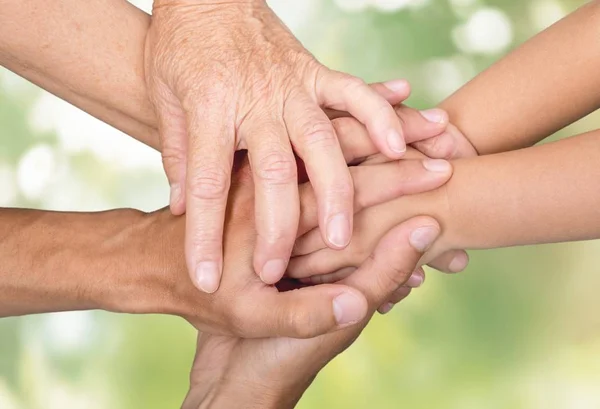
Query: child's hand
x=315, y=263
x=312, y=265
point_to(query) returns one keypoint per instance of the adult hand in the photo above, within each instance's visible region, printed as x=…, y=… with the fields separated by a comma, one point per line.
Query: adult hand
x=226, y=75
x=246, y=306
x=275, y=372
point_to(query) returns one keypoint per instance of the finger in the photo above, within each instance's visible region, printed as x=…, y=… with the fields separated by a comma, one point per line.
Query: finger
x=451, y=144
x=417, y=278
x=374, y=185
x=419, y=125
x=323, y=261
x=302, y=313
x=453, y=261
x=394, y=259
x=276, y=196
x=378, y=159
x=210, y=159
x=399, y=295
x=173, y=133
x=356, y=142
x=394, y=92
x=328, y=278
x=347, y=93
x=315, y=141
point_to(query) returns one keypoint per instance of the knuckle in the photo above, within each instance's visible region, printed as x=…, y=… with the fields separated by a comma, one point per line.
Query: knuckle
x=303, y=323
x=275, y=236
x=319, y=134
x=209, y=183
x=341, y=190
x=352, y=84
x=277, y=168
x=395, y=276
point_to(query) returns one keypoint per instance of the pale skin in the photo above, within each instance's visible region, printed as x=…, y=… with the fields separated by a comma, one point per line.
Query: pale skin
x=476, y=118
x=224, y=76
x=541, y=194
x=112, y=48
x=127, y=261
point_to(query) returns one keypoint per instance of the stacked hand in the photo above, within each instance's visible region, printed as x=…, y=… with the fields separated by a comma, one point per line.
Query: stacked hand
x=315, y=264
x=247, y=307
x=225, y=76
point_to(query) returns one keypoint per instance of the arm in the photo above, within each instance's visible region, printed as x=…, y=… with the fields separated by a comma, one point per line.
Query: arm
x=542, y=194
x=549, y=82
x=128, y=261
x=95, y=63
x=54, y=261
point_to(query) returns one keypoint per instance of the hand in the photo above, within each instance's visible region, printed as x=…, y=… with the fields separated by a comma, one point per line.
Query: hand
x=229, y=75
x=275, y=372
x=449, y=144
x=246, y=306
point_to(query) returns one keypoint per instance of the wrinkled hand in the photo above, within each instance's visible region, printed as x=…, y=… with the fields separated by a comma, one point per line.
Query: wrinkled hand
x=274, y=372
x=228, y=75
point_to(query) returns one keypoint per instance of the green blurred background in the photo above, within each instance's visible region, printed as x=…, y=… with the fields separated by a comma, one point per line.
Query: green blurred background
x=519, y=329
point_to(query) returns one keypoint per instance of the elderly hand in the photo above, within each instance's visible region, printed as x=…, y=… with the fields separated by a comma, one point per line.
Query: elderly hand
x=226, y=75
x=275, y=372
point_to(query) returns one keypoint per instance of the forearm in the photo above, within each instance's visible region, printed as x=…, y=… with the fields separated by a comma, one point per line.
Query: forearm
x=549, y=82
x=54, y=261
x=89, y=53
x=542, y=194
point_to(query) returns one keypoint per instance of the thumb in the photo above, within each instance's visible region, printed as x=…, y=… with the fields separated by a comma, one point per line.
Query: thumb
x=394, y=259
x=304, y=313
x=173, y=135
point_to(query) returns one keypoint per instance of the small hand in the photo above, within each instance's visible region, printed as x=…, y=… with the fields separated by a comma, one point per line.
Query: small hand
x=447, y=144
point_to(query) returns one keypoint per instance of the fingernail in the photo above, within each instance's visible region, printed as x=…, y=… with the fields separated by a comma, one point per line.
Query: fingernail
x=338, y=231
x=175, y=193
x=437, y=165
x=384, y=309
x=396, y=85
x=273, y=271
x=422, y=238
x=207, y=276
x=348, y=309
x=415, y=281
x=395, y=141
x=436, y=116
x=458, y=263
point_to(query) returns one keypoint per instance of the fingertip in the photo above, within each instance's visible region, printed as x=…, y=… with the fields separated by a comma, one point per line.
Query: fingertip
x=272, y=271
x=338, y=231
x=437, y=166
x=396, y=143
x=207, y=276
x=459, y=263
x=435, y=116
x=385, y=308
x=177, y=199
x=400, y=89
x=349, y=308
x=423, y=237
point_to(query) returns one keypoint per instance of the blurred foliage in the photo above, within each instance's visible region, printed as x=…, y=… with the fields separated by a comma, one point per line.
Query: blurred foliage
x=517, y=330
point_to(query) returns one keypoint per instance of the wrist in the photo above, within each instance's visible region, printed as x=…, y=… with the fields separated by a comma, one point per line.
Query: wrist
x=144, y=259
x=231, y=394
